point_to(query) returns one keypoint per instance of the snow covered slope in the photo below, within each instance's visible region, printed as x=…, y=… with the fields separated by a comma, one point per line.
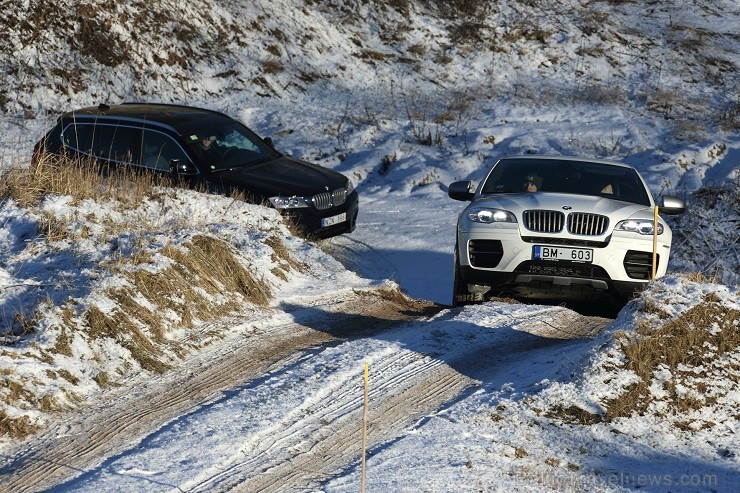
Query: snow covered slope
x=404, y=97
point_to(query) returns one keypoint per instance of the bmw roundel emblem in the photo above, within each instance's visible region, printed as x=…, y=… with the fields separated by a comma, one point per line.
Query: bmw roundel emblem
x=567, y=207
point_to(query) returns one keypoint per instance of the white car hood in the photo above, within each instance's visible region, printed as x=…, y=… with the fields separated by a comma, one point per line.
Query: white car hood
x=517, y=203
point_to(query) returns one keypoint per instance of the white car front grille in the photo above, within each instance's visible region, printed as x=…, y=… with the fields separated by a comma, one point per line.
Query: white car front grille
x=579, y=223
x=585, y=224
x=544, y=221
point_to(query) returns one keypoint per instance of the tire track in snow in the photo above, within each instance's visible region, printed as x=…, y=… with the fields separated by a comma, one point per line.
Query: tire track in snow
x=306, y=449
x=70, y=449
x=327, y=438
x=320, y=437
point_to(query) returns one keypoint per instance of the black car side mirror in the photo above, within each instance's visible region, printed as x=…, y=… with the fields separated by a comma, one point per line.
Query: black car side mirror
x=461, y=190
x=179, y=168
x=269, y=142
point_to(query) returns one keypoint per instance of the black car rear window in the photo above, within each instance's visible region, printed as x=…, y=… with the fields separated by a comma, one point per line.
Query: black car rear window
x=77, y=137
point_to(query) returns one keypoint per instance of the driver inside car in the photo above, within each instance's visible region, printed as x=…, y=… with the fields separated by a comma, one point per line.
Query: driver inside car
x=210, y=149
x=531, y=183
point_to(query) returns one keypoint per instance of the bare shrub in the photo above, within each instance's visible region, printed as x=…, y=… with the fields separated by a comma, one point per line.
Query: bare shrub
x=272, y=66
x=709, y=237
x=419, y=111
x=386, y=162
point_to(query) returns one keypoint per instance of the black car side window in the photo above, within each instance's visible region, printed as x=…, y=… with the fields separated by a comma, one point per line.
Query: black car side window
x=77, y=137
x=158, y=150
x=117, y=143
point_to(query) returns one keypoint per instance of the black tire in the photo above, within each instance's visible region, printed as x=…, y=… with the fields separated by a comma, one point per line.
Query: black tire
x=460, y=294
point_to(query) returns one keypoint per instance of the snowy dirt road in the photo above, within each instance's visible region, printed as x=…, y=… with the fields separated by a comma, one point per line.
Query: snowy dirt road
x=278, y=406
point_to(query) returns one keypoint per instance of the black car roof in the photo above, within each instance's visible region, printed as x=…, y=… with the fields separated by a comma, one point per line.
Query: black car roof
x=181, y=119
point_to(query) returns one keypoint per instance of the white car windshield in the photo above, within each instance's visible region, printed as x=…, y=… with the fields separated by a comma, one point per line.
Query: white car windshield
x=563, y=176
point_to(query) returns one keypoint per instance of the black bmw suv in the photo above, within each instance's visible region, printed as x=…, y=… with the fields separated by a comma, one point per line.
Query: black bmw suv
x=207, y=149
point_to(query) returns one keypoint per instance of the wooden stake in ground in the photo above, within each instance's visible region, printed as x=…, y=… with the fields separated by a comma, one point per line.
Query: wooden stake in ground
x=655, y=243
x=364, y=430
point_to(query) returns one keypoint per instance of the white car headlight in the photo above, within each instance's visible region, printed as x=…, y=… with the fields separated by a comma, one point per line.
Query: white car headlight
x=294, y=202
x=640, y=226
x=488, y=216
x=350, y=187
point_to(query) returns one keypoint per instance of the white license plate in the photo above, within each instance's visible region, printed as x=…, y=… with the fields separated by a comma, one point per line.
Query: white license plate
x=331, y=221
x=540, y=252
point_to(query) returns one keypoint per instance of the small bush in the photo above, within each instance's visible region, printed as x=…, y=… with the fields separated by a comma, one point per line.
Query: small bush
x=272, y=66
x=386, y=162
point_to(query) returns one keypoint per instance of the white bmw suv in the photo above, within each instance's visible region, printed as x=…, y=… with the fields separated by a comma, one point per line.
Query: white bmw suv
x=558, y=228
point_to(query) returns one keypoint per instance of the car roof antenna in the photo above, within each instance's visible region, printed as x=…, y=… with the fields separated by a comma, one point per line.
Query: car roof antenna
x=103, y=107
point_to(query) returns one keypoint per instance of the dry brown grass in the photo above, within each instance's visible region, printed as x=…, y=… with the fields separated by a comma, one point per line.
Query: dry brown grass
x=206, y=282
x=282, y=258
x=62, y=346
x=78, y=178
x=392, y=293
x=14, y=393
x=120, y=327
x=574, y=415
x=26, y=324
x=206, y=279
x=102, y=379
x=693, y=340
x=214, y=262
x=20, y=427
x=272, y=66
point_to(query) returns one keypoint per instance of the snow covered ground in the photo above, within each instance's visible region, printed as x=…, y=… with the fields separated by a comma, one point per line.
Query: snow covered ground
x=364, y=88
